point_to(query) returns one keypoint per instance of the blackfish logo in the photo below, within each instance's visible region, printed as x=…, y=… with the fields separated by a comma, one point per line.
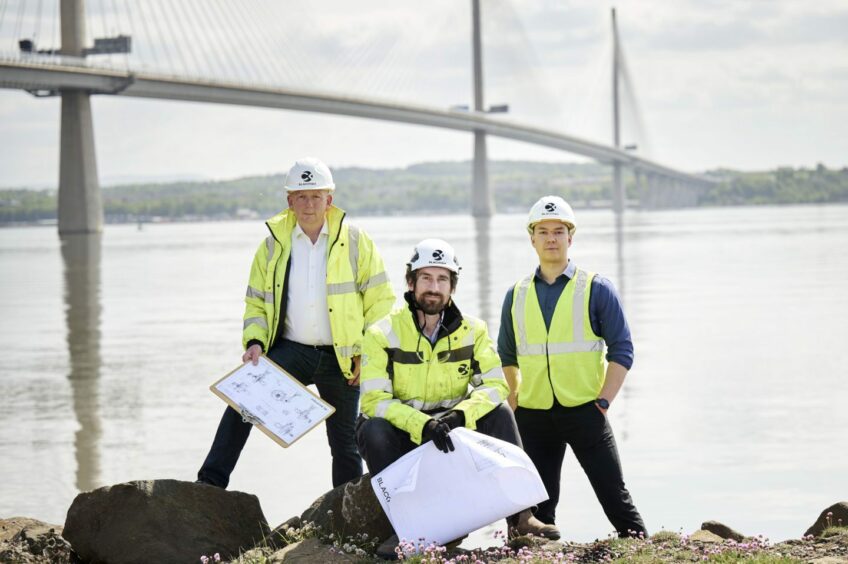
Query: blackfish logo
x=438, y=255
x=462, y=369
x=550, y=206
x=306, y=176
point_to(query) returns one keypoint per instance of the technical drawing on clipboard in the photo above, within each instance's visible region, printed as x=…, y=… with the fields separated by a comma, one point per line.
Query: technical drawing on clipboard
x=273, y=400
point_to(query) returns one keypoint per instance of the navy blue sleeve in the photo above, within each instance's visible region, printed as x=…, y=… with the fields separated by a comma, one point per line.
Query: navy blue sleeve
x=506, y=336
x=608, y=322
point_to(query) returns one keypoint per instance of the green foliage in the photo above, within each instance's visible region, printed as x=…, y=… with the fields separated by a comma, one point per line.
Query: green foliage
x=782, y=186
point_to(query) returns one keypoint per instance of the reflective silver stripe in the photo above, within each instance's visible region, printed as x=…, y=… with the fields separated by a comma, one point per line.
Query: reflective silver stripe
x=521, y=323
x=346, y=351
x=495, y=373
x=375, y=280
x=353, y=251
x=341, y=288
x=584, y=346
x=430, y=405
x=269, y=246
x=491, y=392
x=383, y=407
x=577, y=309
x=385, y=326
x=376, y=385
x=468, y=340
x=267, y=297
x=260, y=321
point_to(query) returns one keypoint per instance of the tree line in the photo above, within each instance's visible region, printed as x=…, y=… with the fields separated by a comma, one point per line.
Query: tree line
x=439, y=187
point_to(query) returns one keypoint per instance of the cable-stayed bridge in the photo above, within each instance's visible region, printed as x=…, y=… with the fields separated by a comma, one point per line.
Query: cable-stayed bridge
x=74, y=63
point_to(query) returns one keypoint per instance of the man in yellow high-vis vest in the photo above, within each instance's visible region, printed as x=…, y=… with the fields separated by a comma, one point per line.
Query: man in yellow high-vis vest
x=316, y=283
x=428, y=369
x=554, y=325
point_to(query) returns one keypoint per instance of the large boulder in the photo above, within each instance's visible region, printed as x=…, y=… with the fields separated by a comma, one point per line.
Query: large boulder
x=722, y=530
x=834, y=516
x=25, y=540
x=349, y=510
x=163, y=521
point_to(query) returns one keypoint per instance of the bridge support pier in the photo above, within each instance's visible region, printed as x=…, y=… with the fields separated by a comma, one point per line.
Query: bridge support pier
x=80, y=205
x=482, y=202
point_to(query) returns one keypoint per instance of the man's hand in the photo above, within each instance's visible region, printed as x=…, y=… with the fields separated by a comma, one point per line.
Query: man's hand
x=252, y=354
x=512, y=400
x=438, y=431
x=454, y=419
x=357, y=362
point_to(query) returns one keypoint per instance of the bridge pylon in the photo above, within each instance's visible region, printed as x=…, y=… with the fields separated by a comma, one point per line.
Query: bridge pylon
x=80, y=205
x=482, y=202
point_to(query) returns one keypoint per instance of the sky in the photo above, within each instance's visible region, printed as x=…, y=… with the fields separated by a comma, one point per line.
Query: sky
x=740, y=84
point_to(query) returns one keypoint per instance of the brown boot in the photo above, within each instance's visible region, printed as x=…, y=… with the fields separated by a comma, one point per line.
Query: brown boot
x=525, y=523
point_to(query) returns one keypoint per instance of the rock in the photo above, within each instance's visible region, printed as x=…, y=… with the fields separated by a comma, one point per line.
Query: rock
x=705, y=536
x=839, y=511
x=24, y=540
x=163, y=521
x=722, y=530
x=349, y=510
x=829, y=560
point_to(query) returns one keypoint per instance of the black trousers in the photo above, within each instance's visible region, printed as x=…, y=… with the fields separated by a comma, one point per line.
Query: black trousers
x=381, y=443
x=546, y=433
x=309, y=365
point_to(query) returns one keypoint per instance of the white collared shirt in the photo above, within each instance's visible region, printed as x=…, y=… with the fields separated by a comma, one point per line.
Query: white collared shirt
x=307, y=316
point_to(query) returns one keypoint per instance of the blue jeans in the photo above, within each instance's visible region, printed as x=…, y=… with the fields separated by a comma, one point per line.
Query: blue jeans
x=310, y=366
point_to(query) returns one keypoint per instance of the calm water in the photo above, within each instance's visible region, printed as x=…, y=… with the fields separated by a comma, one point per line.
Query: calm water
x=735, y=409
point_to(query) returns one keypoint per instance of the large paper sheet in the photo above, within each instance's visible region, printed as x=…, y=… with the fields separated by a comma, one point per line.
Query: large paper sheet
x=273, y=400
x=433, y=497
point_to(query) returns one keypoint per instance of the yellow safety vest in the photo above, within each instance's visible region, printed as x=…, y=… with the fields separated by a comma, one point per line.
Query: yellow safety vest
x=358, y=289
x=567, y=361
x=404, y=377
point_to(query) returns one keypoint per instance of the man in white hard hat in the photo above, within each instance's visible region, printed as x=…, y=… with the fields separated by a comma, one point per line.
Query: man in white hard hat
x=316, y=283
x=408, y=400
x=554, y=325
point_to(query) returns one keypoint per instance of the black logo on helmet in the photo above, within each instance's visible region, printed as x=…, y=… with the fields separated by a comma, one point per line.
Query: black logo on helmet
x=307, y=175
x=438, y=255
x=550, y=206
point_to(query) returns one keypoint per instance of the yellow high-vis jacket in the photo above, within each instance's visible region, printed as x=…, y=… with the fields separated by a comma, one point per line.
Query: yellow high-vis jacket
x=358, y=289
x=405, y=379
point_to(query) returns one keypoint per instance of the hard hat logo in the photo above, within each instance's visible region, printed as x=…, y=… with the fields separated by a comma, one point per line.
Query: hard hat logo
x=550, y=207
x=306, y=176
x=439, y=255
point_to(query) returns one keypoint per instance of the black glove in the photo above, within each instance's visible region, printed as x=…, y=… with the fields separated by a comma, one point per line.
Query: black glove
x=438, y=432
x=454, y=419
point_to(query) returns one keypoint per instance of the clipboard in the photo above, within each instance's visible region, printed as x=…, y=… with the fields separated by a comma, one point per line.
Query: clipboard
x=273, y=400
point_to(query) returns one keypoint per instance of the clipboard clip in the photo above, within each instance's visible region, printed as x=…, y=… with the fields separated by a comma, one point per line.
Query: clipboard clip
x=248, y=417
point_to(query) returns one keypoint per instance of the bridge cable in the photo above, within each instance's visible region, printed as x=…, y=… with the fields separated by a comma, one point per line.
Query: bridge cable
x=249, y=37
x=120, y=27
x=54, y=39
x=149, y=36
x=280, y=47
x=212, y=15
x=209, y=39
x=3, y=15
x=263, y=44
x=250, y=74
x=183, y=18
x=18, y=24
x=169, y=38
x=276, y=56
x=37, y=28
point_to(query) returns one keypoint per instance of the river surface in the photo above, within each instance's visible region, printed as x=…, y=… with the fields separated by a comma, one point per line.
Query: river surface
x=736, y=408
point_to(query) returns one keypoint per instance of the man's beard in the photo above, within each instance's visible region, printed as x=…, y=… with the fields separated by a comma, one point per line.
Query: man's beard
x=430, y=307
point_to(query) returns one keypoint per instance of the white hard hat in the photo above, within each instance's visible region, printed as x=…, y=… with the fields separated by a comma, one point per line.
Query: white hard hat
x=552, y=207
x=434, y=252
x=309, y=174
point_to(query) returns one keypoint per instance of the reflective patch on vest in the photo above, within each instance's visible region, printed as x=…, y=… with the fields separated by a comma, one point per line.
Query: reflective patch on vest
x=269, y=246
x=383, y=407
x=267, y=297
x=376, y=280
x=376, y=385
x=493, y=394
x=353, y=250
x=385, y=326
x=341, y=288
x=404, y=357
x=523, y=348
x=433, y=405
x=577, y=309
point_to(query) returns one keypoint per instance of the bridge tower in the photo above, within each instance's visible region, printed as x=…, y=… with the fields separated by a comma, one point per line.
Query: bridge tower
x=482, y=202
x=80, y=207
x=618, y=195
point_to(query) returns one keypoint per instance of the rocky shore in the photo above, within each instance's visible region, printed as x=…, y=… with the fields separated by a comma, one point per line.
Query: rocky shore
x=164, y=521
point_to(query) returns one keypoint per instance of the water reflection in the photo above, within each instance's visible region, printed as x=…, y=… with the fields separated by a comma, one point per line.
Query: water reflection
x=81, y=258
x=482, y=243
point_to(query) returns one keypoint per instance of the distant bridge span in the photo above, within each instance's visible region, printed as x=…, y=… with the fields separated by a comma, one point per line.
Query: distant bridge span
x=41, y=77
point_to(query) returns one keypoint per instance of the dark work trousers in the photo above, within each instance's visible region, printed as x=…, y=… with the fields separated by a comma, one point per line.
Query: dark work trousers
x=381, y=443
x=310, y=366
x=545, y=434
